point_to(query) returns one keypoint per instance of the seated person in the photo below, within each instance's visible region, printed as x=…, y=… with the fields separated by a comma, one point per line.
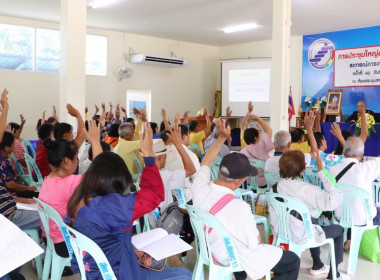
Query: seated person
x=360, y=174
x=292, y=166
x=112, y=137
x=236, y=216
x=259, y=145
x=224, y=150
x=108, y=211
x=197, y=135
x=7, y=174
x=44, y=131
x=19, y=151
x=298, y=141
x=355, y=115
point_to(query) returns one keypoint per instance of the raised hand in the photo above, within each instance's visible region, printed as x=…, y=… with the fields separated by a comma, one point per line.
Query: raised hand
x=146, y=141
x=143, y=115
x=228, y=113
x=72, y=110
x=103, y=106
x=309, y=120
x=224, y=132
x=102, y=119
x=136, y=112
x=205, y=111
x=4, y=99
x=23, y=120
x=335, y=130
x=123, y=109
x=93, y=133
x=250, y=107
x=55, y=113
x=96, y=109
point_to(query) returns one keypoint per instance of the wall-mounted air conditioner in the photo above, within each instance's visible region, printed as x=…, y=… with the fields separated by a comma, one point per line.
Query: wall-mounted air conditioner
x=154, y=60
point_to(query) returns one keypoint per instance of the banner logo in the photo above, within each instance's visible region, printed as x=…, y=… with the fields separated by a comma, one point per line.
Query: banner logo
x=320, y=54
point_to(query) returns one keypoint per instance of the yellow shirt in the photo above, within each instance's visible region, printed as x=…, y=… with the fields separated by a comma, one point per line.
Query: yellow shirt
x=125, y=149
x=197, y=137
x=242, y=142
x=303, y=147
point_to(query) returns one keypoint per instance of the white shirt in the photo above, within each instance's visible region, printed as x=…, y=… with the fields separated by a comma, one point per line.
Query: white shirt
x=361, y=174
x=172, y=180
x=273, y=163
x=236, y=217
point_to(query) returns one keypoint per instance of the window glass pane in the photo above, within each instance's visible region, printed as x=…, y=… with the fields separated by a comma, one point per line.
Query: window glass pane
x=96, y=55
x=16, y=47
x=47, y=50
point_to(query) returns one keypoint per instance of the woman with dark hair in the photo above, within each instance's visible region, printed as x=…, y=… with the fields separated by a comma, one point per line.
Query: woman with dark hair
x=112, y=137
x=292, y=166
x=60, y=184
x=102, y=209
x=19, y=150
x=44, y=131
x=7, y=174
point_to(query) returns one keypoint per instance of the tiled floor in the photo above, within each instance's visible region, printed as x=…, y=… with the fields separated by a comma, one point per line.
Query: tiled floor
x=366, y=270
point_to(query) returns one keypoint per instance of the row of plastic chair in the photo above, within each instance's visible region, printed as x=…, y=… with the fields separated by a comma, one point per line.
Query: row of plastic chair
x=31, y=166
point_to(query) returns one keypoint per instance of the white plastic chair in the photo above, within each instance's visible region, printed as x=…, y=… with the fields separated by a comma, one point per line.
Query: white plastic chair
x=350, y=193
x=202, y=223
x=253, y=184
x=53, y=262
x=283, y=206
x=31, y=165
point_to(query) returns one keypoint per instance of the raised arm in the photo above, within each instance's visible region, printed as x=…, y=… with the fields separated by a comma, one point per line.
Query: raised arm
x=208, y=123
x=96, y=112
x=186, y=117
x=4, y=113
x=152, y=188
x=224, y=133
x=93, y=136
x=267, y=129
x=176, y=138
x=309, y=123
x=23, y=120
x=335, y=130
x=165, y=119
x=81, y=134
x=247, y=116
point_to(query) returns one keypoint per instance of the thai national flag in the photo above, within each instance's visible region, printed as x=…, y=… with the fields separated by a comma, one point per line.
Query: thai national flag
x=291, y=111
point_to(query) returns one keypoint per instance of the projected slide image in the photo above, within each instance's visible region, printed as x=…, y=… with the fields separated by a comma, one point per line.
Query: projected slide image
x=249, y=85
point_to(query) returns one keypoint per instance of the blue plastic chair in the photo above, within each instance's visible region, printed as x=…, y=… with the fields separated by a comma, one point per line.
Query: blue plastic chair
x=53, y=262
x=29, y=149
x=82, y=245
x=197, y=150
x=376, y=192
x=135, y=176
x=350, y=193
x=253, y=184
x=240, y=193
x=181, y=198
x=202, y=222
x=215, y=168
x=33, y=233
x=310, y=175
x=271, y=178
x=283, y=205
x=20, y=170
x=31, y=165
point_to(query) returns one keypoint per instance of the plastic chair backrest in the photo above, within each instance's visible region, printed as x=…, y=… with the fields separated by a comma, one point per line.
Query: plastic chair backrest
x=196, y=149
x=203, y=223
x=215, y=168
x=376, y=192
x=18, y=164
x=350, y=193
x=31, y=165
x=310, y=176
x=271, y=178
x=46, y=213
x=83, y=245
x=29, y=149
x=254, y=185
x=283, y=205
x=138, y=164
x=181, y=198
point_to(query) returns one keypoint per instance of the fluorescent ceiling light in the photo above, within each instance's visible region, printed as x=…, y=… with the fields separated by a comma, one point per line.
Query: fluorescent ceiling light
x=241, y=27
x=101, y=3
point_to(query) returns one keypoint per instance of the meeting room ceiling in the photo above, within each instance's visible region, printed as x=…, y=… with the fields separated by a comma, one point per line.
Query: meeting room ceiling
x=202, y=21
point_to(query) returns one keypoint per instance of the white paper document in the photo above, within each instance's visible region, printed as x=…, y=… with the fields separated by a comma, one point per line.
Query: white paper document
x=159, y=244
x=26, y=206
x=16, y=247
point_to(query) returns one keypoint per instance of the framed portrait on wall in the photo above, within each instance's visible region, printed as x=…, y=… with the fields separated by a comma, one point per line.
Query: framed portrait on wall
x=334, y=102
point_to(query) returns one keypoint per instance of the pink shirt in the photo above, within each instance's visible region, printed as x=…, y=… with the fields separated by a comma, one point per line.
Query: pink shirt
x=260, y=151
x=56, y=192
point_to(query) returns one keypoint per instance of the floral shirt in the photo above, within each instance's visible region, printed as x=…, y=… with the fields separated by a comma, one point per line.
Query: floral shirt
x=6, y=171
x=19, y=153
x=329, y=160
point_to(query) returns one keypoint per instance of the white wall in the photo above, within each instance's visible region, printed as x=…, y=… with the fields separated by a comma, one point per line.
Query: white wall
x=264, y=49
x=177, y=89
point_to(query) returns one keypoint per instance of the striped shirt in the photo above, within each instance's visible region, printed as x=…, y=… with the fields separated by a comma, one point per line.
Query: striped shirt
x=7, y=204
